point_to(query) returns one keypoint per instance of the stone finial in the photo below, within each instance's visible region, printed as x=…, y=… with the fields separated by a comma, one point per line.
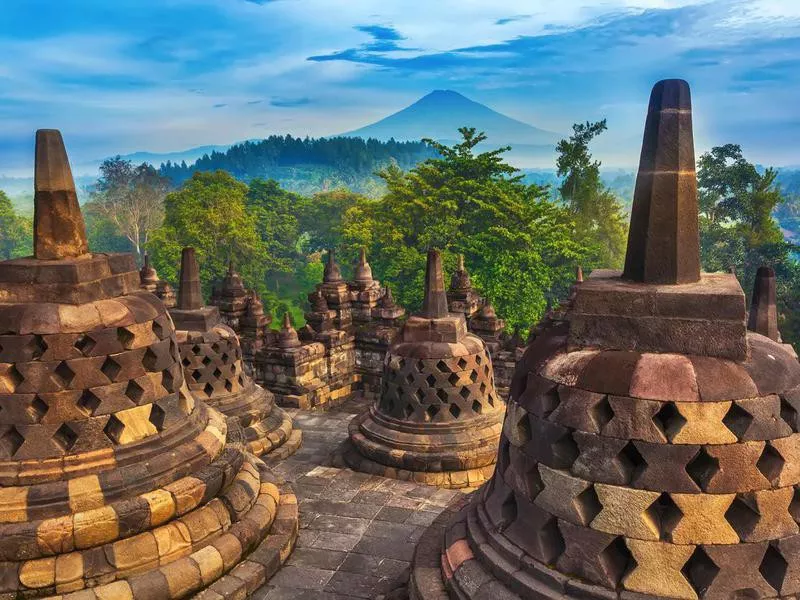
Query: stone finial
x=363, y=272
x=763, y=316
x=147, y=274
x=434, y=304
x=287, y=336
x=332, y=273
x=664, y=239
x=58, y=227
x=387, y=300
x=189, y=294
x=579, y=274
x=460, y=280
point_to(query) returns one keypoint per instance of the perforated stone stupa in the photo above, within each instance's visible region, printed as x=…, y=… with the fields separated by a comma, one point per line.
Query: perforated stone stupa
x=651, y=445
x=114, y=481
x=212, y=360
x=438, y=418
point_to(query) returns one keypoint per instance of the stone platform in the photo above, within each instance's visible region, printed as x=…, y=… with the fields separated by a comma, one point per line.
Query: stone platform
x=357, y=531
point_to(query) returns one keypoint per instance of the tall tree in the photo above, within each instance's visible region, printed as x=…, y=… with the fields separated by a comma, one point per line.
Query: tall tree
x=599, y=216
x=16, y=231
x=519, y=247
x=131, y=197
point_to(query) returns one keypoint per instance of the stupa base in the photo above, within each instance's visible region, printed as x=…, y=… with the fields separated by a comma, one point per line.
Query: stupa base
x=466, y=469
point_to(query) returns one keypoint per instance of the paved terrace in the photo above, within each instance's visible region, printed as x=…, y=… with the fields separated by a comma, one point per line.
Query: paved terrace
x=357, y=531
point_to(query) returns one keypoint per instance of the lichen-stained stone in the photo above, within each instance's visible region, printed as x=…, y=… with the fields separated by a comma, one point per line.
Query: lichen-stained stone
x=662, y=432
x=701, y=519
x=703, y=423
x=658, y=569
x=107, y=463
x=626, y=512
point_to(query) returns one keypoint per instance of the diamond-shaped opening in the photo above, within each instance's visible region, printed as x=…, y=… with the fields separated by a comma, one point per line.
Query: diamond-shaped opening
x=473, y=376
x=114, y=429
x=490, y=399
x=241, y=380
x=13, y=378
x=168, y=381
x=462, y=364
x=195, y=349
x=158, y=330
x=550, y=540
x=616, y=561
x=453, y=379
x=37, y=347
x=420, y=366
x=432, y=411
x=65, y=437
x=420, y=394
x=773, y=568
x=408, y=410
x=442, y=395
x=738, y=420
x=669, y=420
x=88, y=402
x=196, y=375
x=134, y=391
x=702, y=468
x=455, y=410
x=209, y=390
x=228, y=385
x=431, y=380
x=743, y=514
x=206, y=360
x=186, y=362
x=10, y=442
x=700, y=571
x=483, y=388
x=85, y=344
x=225, y=358
x=478, y=359
x=789, y=414
x=110, y=368
x=794, y=506
x=64, y=373
x=477, y=407
x=409, y=378
x=125, y=337
x=587, y=505
x=217, y=373
x=214, y=347
x=149, y=360
x=770, y=464
x=464, y=393
x=157, y=417
x=442, y=367
x=664, y=515
x=632, y=462
x=601, y=413
x=38, y=409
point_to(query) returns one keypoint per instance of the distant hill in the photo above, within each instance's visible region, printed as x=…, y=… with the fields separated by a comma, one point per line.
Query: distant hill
x=441, y=113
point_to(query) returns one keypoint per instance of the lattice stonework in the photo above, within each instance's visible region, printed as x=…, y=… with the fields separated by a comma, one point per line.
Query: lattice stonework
x=212, y=362
x=438, y=390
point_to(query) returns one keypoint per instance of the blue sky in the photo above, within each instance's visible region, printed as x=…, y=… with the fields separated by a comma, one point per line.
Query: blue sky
x=166, y=75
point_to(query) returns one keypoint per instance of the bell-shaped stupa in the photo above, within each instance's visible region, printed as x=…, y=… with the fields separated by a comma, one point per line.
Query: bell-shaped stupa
x=438, y=418
x=650, y=447
x=212, y=361
x=114, y=481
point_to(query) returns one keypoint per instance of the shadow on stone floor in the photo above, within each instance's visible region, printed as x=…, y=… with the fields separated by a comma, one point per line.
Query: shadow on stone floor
x=357, y=531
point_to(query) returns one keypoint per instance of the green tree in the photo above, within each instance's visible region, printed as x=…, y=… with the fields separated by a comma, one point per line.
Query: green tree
x=322, y=218
x=210, y=213
x=131, y=198
x=16, y=231
x=599, y=216
x=519, y=247
x=738, y=230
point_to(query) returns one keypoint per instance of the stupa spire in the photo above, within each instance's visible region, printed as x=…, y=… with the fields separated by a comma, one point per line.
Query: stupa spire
x=664, y=240
x=332, y=273
x=579, y=274
x=58, y=228
x=434, y=305
x=763, y=316
x=189, y=295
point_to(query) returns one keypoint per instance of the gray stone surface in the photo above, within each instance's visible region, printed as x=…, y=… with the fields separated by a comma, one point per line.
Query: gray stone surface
x=357, y=531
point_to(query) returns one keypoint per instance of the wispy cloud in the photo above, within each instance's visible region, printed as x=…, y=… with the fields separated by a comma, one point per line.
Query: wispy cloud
x=289, y=102
x=515, y=18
